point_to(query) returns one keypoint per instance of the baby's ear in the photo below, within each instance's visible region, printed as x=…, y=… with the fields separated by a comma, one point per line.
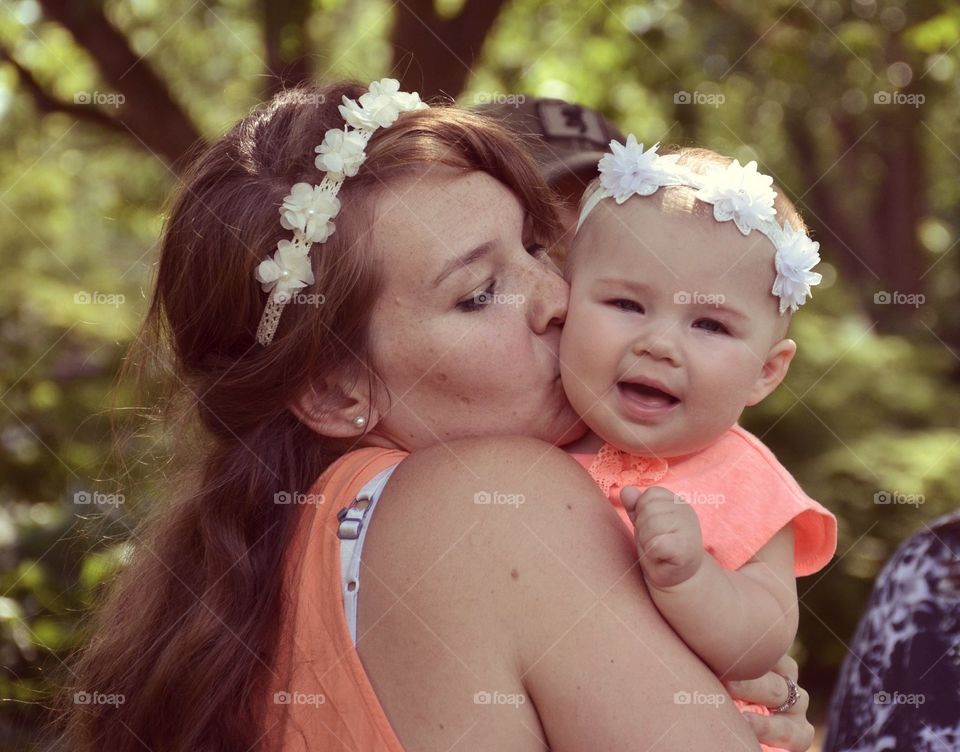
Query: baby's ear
x=774, y=370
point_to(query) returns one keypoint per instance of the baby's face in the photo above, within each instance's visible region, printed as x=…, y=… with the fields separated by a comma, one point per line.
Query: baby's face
x=670, y=328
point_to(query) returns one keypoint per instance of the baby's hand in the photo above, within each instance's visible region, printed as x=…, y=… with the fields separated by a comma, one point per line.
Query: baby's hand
x=668, y=535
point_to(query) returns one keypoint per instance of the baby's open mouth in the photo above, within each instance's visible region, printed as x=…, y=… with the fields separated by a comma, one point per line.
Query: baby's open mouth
x=648, y=395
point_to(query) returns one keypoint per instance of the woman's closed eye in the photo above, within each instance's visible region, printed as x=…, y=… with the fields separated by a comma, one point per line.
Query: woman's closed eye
x=711, y=325
x=483, y=298
x=479, y=299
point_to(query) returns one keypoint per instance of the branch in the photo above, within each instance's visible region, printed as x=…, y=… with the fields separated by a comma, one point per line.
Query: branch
x=46, y=102
x=148, y=111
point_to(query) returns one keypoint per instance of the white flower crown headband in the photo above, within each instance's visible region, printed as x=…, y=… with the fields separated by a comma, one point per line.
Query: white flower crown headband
x=309, y=209
x=737, y=192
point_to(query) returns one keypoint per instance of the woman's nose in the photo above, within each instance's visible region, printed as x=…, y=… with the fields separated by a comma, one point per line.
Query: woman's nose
x=549, y=296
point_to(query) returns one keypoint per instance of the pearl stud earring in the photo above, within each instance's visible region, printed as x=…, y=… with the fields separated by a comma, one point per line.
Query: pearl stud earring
x=359, y=421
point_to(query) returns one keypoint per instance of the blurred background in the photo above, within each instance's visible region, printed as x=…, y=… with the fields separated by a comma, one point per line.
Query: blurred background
x=853, y=107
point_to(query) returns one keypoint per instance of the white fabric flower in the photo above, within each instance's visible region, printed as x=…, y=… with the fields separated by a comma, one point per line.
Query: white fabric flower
x=341, y=152
x=308, y=210
x=630, y=170
x=386, y=89
x=739, y=193
x=380, y=106
x=357, y=116
x=288, y=270
x=409, y=101
x=796, y=255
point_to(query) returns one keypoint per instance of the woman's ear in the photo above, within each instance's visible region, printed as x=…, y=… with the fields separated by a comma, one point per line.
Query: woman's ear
x=339, y=408
x=774, y=370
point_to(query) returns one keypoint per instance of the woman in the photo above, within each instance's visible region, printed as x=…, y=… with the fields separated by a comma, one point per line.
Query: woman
x=429, y=326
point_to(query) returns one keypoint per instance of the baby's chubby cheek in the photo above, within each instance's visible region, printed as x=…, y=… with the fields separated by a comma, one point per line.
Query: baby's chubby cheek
x=579, y=356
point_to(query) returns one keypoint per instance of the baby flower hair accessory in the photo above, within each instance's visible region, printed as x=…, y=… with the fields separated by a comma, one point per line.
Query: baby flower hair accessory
x=308, y=210
x=737, y=192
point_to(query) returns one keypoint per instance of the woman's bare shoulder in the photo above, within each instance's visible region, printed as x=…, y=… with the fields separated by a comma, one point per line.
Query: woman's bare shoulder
x=500, y=563
x=466, y=489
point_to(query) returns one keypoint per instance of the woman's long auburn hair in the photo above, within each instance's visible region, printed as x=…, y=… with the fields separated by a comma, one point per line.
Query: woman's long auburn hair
x=186, y=631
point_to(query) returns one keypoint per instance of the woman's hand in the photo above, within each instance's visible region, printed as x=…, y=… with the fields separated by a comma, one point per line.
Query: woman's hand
x=789, y=729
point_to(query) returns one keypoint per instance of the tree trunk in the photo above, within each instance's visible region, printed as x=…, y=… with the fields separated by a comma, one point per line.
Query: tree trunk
x=433, y=55
x=285, y=39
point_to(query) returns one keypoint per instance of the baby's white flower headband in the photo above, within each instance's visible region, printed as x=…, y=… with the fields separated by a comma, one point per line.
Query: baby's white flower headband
x=309, y=209
x=737, y=192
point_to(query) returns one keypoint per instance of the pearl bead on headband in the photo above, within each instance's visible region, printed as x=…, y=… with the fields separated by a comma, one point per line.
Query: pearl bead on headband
x=309, y=209
x=737, y=192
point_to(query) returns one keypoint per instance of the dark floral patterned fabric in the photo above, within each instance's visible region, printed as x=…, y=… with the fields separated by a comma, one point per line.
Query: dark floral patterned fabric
x=899, y=687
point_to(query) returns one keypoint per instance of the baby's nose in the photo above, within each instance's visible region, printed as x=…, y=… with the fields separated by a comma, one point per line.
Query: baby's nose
x=658, y=344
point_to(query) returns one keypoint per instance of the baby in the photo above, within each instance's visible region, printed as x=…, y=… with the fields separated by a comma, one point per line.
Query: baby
x=684, y=274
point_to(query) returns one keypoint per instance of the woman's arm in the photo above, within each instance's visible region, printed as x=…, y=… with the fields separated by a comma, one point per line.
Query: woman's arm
x=534, y=563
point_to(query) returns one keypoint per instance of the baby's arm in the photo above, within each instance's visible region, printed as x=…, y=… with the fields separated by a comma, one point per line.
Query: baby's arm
x=739, y=622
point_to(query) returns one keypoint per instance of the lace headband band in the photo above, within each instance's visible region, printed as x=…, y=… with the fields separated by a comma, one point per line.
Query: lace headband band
x=308, y=210
x=737, y=192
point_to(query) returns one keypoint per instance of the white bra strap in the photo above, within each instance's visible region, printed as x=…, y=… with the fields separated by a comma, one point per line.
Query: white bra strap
x=352, y=532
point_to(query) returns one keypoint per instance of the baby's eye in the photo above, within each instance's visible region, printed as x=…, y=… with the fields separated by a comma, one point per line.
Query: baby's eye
x=711, y=325
x=626, y=305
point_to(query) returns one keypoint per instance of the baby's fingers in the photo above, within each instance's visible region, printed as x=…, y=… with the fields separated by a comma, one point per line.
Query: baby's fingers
x=629, y=497
x=654, y=497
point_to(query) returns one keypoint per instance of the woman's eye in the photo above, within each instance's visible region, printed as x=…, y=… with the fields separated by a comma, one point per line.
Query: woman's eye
x=537, y=249
x=478, y=300
x=711, y=325
x=626, y=305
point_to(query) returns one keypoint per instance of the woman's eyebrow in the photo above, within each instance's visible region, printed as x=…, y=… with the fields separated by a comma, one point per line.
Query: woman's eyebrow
x=462, y=261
